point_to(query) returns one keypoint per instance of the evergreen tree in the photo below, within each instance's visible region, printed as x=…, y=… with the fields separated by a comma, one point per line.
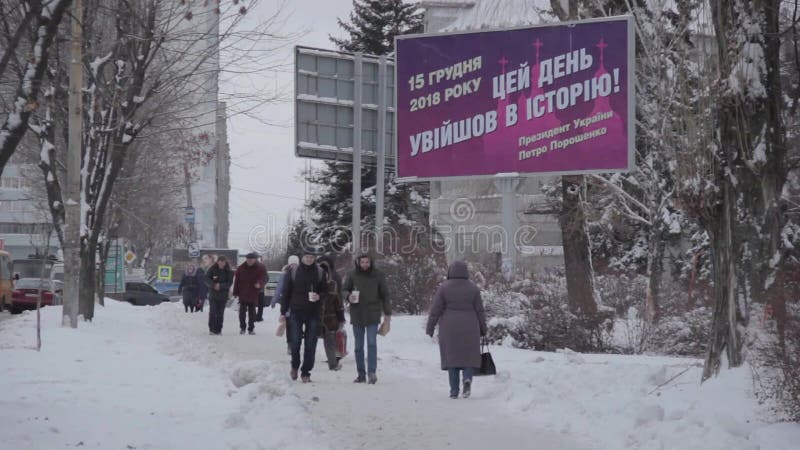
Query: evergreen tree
x=374, y=24
x=371, y=29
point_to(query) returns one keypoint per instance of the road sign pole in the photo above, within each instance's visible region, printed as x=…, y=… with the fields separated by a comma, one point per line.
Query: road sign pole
x=381, y=142
x=357, y=125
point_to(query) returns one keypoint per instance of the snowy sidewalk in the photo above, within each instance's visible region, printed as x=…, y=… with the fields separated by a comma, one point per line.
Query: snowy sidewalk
x=152, y=378
x=409, y=407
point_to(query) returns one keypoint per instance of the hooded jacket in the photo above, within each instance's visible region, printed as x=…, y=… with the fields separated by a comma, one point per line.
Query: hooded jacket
x=458, y=310
x=373, y=294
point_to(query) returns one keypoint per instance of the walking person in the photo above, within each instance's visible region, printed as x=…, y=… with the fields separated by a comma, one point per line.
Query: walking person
x=189, y=288
x=458, y=310
x=365, y=289
x=333, y=320
x=219, y=279
x=262, y=298
x=301, y=307
x=202, y=288
x=278, y=298
x=249, y=280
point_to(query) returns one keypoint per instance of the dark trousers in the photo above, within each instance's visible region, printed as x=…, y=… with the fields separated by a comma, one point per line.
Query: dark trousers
x=247, y=316
x=454, y=375
x=305, y=326
x=329, y=341
x=260, y=308
x=216, y=312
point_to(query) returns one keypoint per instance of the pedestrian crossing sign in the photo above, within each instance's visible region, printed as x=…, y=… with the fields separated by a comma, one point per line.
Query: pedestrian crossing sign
x=164, y=273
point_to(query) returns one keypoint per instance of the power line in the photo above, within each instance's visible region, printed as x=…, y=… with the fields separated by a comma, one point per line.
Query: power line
x=267, y=194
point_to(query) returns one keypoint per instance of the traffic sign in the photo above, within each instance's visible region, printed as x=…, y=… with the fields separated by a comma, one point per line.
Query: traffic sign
x=188, y=214
x=130, y=256
x=194, y=249
x=165, y=273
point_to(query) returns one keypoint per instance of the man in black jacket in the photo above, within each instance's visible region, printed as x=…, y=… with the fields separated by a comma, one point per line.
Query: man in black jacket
x=301, y=294
x=219, y=279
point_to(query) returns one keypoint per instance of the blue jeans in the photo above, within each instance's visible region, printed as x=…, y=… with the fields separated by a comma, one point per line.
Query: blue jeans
x=454, y=375
x=372, y=347
x=305, y=326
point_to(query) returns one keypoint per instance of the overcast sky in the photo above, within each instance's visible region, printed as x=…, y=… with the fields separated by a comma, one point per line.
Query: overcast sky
x=265, y=174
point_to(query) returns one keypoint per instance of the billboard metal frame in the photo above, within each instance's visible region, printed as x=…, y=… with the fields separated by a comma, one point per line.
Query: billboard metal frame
x=305, y=149
x=631, y=86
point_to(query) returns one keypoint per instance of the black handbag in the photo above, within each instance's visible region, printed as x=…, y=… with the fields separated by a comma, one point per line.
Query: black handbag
x=487, y=363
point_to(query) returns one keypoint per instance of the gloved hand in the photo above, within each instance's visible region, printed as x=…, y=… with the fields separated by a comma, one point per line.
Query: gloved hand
x=282, y=319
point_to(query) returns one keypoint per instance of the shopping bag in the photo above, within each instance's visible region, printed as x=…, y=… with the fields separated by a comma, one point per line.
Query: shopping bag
x=487, y=363
x=341, y=343
x=281, y=329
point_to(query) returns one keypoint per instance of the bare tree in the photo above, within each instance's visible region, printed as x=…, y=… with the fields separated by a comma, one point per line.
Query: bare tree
x=152, y=67
x=24, y=21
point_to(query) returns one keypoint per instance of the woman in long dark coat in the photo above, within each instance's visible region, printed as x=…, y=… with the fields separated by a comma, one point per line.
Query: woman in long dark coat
x=189, y=288
x=458, y=309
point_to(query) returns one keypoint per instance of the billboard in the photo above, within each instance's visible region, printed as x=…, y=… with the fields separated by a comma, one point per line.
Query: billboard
x=326, y=82
x=547, y=100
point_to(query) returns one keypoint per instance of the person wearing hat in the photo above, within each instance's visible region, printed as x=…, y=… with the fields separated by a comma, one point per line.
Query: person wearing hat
x=250, y=278
x=301, y=306
x=293, y=262
x=219, y=279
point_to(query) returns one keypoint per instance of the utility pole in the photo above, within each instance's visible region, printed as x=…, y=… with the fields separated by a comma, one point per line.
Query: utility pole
x=357, y=129
x=72, y=206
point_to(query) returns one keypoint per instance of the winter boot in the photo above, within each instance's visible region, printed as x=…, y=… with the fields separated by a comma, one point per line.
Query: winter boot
x=361, y=379
x=293, y=374
x=373, y=378
x=241, y=331
x=453, y=396
x=251, y=332
x=467, y=388
x=306, y=378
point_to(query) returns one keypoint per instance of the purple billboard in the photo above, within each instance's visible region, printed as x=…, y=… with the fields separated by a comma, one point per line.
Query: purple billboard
x=555, y=99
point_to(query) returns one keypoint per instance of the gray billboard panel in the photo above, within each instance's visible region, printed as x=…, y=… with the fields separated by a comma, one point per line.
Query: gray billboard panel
x=324, y=106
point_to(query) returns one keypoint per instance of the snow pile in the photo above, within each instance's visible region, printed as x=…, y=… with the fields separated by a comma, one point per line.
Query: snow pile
x=108, y=384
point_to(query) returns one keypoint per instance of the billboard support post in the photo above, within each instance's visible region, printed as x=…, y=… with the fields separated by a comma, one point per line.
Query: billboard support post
x=380, y=188
x=357, y=126
x=508, y=188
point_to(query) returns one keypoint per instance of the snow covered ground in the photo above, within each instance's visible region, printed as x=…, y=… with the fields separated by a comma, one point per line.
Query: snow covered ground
x=152, y=378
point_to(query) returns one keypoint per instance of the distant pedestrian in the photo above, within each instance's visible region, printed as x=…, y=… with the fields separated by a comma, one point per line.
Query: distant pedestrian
x=365, y=289
x=202, y=288
x=278, y=298
x=458, y=310
x=219, y=279
x=301, y=307
x=333, y=320
x=189, y=288
x=250, y=278
x=262, y=299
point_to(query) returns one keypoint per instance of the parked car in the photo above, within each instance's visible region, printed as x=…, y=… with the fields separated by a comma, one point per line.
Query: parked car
x=274, y=277
x=170, y=289
x=27, y=291
x=141, y=294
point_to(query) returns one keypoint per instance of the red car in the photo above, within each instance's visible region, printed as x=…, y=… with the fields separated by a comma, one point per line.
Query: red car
x=26, y=294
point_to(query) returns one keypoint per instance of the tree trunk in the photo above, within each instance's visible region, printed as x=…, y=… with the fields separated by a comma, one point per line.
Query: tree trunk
x=577, y=255
x=728, y=317
x=88, y=276
x=655, y=272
